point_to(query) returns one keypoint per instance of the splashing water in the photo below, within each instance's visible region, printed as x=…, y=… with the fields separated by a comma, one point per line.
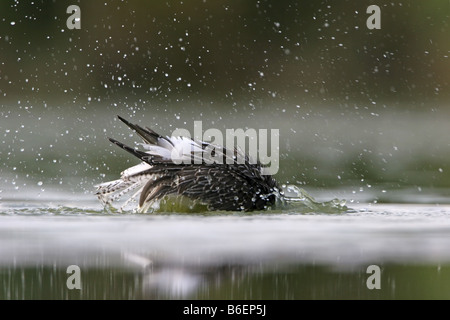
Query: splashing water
x=298, y=199
x=291, y=198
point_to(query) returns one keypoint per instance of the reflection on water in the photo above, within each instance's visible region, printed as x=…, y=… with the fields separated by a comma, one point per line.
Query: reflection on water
x=301, y=281
x=279, y=255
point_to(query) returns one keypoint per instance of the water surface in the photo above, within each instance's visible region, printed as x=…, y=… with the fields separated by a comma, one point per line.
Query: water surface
x=394, y=182
x=275, y=255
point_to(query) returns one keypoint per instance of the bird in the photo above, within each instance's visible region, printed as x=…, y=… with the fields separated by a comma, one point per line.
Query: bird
x=227, y=186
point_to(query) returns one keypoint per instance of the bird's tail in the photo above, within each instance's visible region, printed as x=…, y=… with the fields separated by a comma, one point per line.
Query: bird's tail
x=132, y=179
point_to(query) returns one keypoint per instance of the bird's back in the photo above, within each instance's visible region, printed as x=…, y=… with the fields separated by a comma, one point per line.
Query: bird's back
x=228, y=185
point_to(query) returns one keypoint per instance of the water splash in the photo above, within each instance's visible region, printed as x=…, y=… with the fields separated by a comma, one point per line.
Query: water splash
x=291, y=198
x=298, y=199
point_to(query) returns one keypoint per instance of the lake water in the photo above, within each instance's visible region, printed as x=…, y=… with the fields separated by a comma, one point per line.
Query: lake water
x=282, y=255
x=393, y=179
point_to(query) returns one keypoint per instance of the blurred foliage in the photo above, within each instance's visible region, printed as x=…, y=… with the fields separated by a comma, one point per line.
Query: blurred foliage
x=226, y=51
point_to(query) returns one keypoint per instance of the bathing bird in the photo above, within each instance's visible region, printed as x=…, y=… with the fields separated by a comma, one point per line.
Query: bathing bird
x=184, y=167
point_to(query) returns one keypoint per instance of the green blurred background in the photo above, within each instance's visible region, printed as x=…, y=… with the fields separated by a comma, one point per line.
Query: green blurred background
x=317, y=51
x=354, y=106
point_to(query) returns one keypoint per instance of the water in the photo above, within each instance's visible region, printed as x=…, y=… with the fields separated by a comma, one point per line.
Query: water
x=395, y=186
x=274, y=255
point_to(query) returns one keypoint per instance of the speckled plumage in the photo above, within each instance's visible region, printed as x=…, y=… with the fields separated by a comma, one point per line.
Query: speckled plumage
x=235, y=186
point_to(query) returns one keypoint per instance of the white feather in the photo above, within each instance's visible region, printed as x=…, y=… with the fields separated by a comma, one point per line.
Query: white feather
x=132, y=171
